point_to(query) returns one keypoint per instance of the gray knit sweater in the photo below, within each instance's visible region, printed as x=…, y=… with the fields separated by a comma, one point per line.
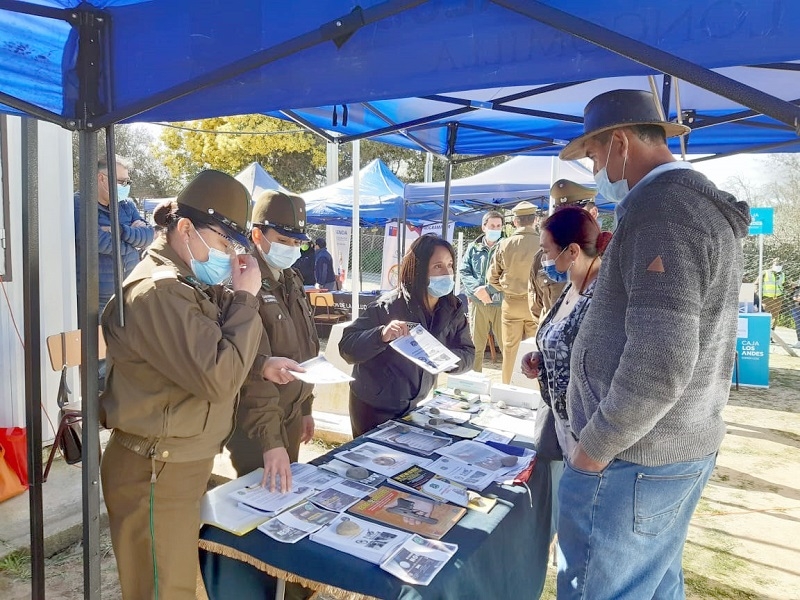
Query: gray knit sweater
x=651, y=365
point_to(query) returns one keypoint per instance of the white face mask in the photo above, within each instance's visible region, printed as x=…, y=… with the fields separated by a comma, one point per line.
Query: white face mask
x=614, y=191
x=280, y=256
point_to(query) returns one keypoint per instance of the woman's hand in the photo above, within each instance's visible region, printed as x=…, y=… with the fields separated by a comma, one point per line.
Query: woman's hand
x=276, y=463
x=246, y=276
x=394, y=330
x=531, y=363
x=278, y=369
x=308, y=429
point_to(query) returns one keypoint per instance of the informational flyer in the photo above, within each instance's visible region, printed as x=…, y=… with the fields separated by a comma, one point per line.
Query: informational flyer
x=292, y=526
x=418, y=560
x=424, y=350
x=320, y=372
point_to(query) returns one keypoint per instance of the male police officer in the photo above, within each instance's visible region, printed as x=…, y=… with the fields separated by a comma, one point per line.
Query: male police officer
x=543, y=291
x=275, y=412
x=509, y=273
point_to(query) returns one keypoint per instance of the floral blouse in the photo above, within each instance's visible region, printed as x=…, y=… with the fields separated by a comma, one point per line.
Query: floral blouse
x=555, y=340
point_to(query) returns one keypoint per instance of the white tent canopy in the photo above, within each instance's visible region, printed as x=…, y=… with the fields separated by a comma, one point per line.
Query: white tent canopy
x=256, y=179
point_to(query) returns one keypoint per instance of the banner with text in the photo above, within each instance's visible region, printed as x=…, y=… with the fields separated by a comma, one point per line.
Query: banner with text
x=338, y=240
x=390, y=267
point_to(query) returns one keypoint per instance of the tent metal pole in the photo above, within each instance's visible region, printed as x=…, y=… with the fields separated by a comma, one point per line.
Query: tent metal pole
x=33, y=110
x=731, y=118
x=448, y=176
x=355, y=268
x=401, y=236
x=33, y=346
x=665, y=94
x=654, y=58
x=113, y=209
x=305, y=124
x=35, y=10
x=753, y=149
x=88, y=293
x=406, y=134
x=336, y=30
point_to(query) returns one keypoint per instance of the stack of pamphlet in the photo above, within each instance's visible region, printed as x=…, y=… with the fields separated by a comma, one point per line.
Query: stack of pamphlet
x=474, y=478
x=342, y=495
x=378, y=458
x=418, y=560
x=360, y=538
x=411, y=512
x=408, y=437
x=348, y=471
x=504, y=466
x=293, y=525
x=219, y=509
x=427, y=483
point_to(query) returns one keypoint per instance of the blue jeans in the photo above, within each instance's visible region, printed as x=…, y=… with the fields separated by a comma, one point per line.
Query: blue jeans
x=796, y=317
x=621, y=531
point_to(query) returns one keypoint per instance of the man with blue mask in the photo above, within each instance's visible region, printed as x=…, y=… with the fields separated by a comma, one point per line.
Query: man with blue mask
x=508, y=273
x=543, y=288
x=274, y=415
x=652, y=362
x=484, y=308
x=134, y=232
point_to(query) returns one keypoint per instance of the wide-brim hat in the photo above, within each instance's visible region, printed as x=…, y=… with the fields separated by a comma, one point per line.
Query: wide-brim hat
x=523, y=209
x=217, y=198
x=618, y=108
x=285, y=213
x=565, y=192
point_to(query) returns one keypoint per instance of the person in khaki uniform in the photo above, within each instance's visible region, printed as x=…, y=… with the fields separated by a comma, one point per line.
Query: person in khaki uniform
x=543, y=291
x=174, y=372
x=509, y=273
x=274, y=419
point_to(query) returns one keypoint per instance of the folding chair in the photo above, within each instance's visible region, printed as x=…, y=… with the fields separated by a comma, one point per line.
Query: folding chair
x=64, y=350
x=330, y=316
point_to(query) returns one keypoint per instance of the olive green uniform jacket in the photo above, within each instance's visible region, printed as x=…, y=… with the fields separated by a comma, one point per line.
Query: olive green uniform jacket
x=511, y=263
x=176, y=368
x=289, y=332
x=542, y=291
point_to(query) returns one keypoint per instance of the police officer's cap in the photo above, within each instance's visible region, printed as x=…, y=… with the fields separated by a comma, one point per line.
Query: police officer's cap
x=565, y=192
x=286, y=213
x=217, y=198
x=524, y=208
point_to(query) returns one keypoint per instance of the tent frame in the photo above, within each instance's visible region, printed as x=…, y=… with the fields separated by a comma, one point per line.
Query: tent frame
x=91, y=25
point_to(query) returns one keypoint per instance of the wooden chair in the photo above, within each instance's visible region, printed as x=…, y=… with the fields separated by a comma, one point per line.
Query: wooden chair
x=325, y=312
x=64, y=350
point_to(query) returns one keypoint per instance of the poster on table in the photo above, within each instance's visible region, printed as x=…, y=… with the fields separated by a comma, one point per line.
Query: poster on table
x=338, y=240
x=390, y=267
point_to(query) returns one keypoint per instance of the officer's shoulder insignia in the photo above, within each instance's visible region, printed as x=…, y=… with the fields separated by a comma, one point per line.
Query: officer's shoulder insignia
x=164, y=273
x=268, y=298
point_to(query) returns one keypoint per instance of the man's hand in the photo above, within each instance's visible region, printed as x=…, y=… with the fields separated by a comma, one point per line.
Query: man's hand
x=531, y=363
x=482, y=294
x=277, y=369
x=106, y=229
x=276, y=463
x=394, y=330
x=584, y=462
x=246, y=275
x=139, y=223
x=308, y=429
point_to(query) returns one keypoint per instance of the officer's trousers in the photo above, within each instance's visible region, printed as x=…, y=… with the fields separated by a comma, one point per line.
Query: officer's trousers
x=247, y=455
x=481, y=316
x=517, y=325
x=173, y=511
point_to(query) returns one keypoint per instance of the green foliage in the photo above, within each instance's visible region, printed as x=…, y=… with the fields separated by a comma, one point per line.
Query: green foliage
x=17, y=564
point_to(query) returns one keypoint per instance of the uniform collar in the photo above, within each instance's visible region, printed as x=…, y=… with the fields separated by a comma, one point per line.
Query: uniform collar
x=162, y=252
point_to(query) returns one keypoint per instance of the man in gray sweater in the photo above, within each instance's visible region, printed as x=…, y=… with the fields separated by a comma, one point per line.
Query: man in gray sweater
x=651, y=366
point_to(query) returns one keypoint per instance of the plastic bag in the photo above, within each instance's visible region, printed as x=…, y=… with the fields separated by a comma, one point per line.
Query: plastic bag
x=14, y=441
x=10, y=484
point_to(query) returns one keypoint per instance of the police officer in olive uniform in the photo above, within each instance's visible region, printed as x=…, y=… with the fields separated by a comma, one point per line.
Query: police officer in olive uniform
x=275, y=412
x=509, y=272
x=542, y=291
x=174, y=373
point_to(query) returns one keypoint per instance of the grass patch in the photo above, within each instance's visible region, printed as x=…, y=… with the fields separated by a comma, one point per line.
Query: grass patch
x=326, y=446
x=698, y=586
x=17, y=565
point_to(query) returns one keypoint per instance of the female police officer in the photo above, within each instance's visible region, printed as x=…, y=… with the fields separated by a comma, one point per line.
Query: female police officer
x=175, y=369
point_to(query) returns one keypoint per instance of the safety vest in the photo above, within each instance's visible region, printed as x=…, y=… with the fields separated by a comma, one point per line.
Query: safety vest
x=773, y=284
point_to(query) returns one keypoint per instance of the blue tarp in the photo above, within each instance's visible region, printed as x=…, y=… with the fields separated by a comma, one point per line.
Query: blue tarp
x=182, y=59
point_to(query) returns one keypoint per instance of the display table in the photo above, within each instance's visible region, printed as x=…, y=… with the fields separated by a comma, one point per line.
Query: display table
x=502, y=554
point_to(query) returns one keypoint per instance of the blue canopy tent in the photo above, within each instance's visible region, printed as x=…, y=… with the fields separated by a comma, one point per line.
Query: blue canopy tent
x=520, y=178
x=73, y=63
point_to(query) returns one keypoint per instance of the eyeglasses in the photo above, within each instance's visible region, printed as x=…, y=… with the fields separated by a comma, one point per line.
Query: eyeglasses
x=128, y=181
x=233, y=246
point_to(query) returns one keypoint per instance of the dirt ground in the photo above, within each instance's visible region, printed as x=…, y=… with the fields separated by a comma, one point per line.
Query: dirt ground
x=744, y=540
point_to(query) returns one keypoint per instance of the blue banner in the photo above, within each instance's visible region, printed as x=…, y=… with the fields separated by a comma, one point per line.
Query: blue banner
x=752, y=349
x=761, y=220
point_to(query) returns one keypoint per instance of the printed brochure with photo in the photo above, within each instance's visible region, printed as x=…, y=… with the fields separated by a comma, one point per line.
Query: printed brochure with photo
x=407, y=437
x=424, y=350
x=418, y=560
x=293, y=525
x=381, y=459
x=474, y=478
x=319, y=371
x=342, y=495
x=363, y=539
x=348, y=471
x=427, y=483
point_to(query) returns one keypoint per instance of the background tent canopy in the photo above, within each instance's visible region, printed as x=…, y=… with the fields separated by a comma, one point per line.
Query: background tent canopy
x=521, y=178
x=380, y=200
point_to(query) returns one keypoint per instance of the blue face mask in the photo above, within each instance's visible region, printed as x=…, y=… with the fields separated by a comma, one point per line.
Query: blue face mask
x=493, y=235
x=549, y=267
x=613, y=191
x=441, y=285
x=123, y=191
x=280, y=256
x=214, y=270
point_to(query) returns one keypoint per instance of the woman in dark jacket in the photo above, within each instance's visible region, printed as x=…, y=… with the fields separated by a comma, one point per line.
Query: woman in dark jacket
x=386, y=384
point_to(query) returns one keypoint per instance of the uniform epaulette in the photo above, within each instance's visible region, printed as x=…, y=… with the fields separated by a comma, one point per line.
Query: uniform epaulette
x=164, y=272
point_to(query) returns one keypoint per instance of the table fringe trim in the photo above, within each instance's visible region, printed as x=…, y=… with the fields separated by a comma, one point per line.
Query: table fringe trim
x=319, y=588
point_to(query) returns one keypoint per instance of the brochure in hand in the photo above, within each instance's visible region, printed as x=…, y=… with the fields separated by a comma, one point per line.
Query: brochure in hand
x=295, y=524
x=342, y=495
x=320, y=372
x=417, y=514
x=424, y=350
x=427, y=483
x=306, y=480
x=418, y=560
x=381, y=459
x=360, y=538
x=348, y=471
x=407, y=437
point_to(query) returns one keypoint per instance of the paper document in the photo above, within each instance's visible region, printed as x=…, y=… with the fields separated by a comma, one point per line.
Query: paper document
x=424, y=350
x=418, y=560
x=378, y=458
x=319, y=372
x=407, y=437
x=217, y=508
x=294, y=525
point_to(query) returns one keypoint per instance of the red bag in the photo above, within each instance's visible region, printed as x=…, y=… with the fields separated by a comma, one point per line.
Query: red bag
x=13, y=441
x=10, y=485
